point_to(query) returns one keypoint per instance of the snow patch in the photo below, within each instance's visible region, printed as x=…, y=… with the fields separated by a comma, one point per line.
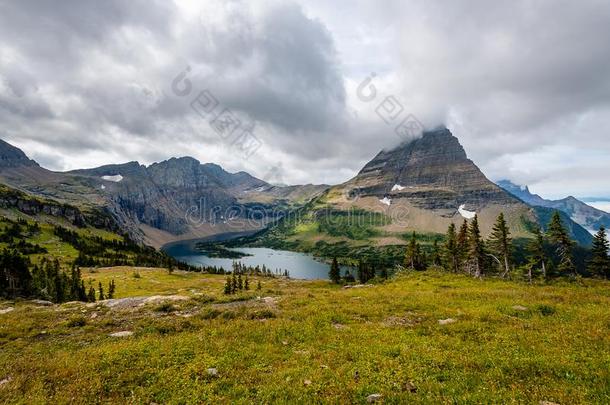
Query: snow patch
x=465, y=213
x=103, y=187
x=398, y=187
x=386, y=201
x=115, y=179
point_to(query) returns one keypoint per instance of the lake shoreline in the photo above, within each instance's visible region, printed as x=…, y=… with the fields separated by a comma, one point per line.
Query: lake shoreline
x=299, y=265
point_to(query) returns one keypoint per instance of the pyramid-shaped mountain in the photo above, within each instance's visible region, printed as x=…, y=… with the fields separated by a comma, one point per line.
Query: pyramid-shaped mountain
x=433, y=172
x=426, y=184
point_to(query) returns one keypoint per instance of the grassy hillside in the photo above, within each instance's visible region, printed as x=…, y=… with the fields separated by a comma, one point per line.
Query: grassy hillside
x=312, y=342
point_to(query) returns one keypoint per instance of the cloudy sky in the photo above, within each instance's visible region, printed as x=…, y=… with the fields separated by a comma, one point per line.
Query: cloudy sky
x=525, y=85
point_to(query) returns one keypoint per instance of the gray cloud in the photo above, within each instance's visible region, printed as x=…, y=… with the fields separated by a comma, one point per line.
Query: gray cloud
x=524, y=85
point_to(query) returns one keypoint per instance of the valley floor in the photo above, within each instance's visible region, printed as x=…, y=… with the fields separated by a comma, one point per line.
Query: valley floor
x=311, y=342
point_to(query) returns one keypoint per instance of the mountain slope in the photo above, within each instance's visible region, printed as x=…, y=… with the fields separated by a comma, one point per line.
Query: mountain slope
x=421, y=186
x=166, y=201
x=427, y=184
x=589, y=217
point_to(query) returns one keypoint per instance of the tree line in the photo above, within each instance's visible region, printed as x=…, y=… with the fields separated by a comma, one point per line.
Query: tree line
x=548, y=254
x=46, y=281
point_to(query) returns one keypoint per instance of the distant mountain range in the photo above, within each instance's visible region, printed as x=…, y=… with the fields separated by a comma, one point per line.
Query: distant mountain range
x=175, y=199
x=589, y=217
x=423, y=185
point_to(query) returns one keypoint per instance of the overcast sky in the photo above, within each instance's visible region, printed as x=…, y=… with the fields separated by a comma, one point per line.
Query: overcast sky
x=525, y=85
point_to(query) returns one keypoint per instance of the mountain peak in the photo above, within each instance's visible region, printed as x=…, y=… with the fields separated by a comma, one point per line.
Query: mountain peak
x=11, y=156
x=432, y=171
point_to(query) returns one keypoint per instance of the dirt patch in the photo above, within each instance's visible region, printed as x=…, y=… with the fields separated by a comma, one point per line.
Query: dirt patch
x=401, y=321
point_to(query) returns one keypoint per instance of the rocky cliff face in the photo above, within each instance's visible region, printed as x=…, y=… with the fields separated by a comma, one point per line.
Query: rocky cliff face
x=182, y=196
x=15, y=199
x=11, y=156
x=433, y=172
x=177, y=198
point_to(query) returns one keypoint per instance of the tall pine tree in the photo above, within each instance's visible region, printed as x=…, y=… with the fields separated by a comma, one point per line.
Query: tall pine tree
x=451, y=255
x=462, y=245
x=599, y=265
x=476, y=249
x=500, y=244
x=537, y=256
x=335, y=272
x=560, y=239
x=413, y=254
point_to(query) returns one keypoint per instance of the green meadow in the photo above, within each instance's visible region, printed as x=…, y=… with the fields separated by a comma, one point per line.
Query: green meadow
x=311, y=342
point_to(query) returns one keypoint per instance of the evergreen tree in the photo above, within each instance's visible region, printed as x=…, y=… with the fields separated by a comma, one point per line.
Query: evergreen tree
x=259, y=286
x=335, y=272
x=476, y=249
x=111, y=288
x=15, y=276
x=234, y=285
x=91, y=294
x=82, y=292
x=599, y=265
x=436, y=254
x=361, y=272
x=451, y=256
x=39, y=282
x=228, y=286
x=371, y=271
x=246, y=284
x=384, y=273
x=537, y=256
x=560, y=239
x=240, y=282
x=462, y=245
x=413, y=254
x=101, y=292
x=500, y=244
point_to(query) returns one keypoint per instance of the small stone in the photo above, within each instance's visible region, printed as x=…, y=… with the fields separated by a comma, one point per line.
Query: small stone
x=285, y=343
x=356, y=376
x=323, y=366
x=520, y=308
x=339, y=326
x=121, y=334
x=6, y=310
x=374, y=398
x=42, y=303
x=94, y=315
x=6, y=381
x=410, y=387
x=212, y=372
x=446, y=321
x=307, y=383
x=548, y=403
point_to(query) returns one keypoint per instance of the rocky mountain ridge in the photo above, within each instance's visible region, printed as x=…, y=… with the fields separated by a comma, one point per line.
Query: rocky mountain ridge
x=589, y=217
x=179, y=198
x=427, y=184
